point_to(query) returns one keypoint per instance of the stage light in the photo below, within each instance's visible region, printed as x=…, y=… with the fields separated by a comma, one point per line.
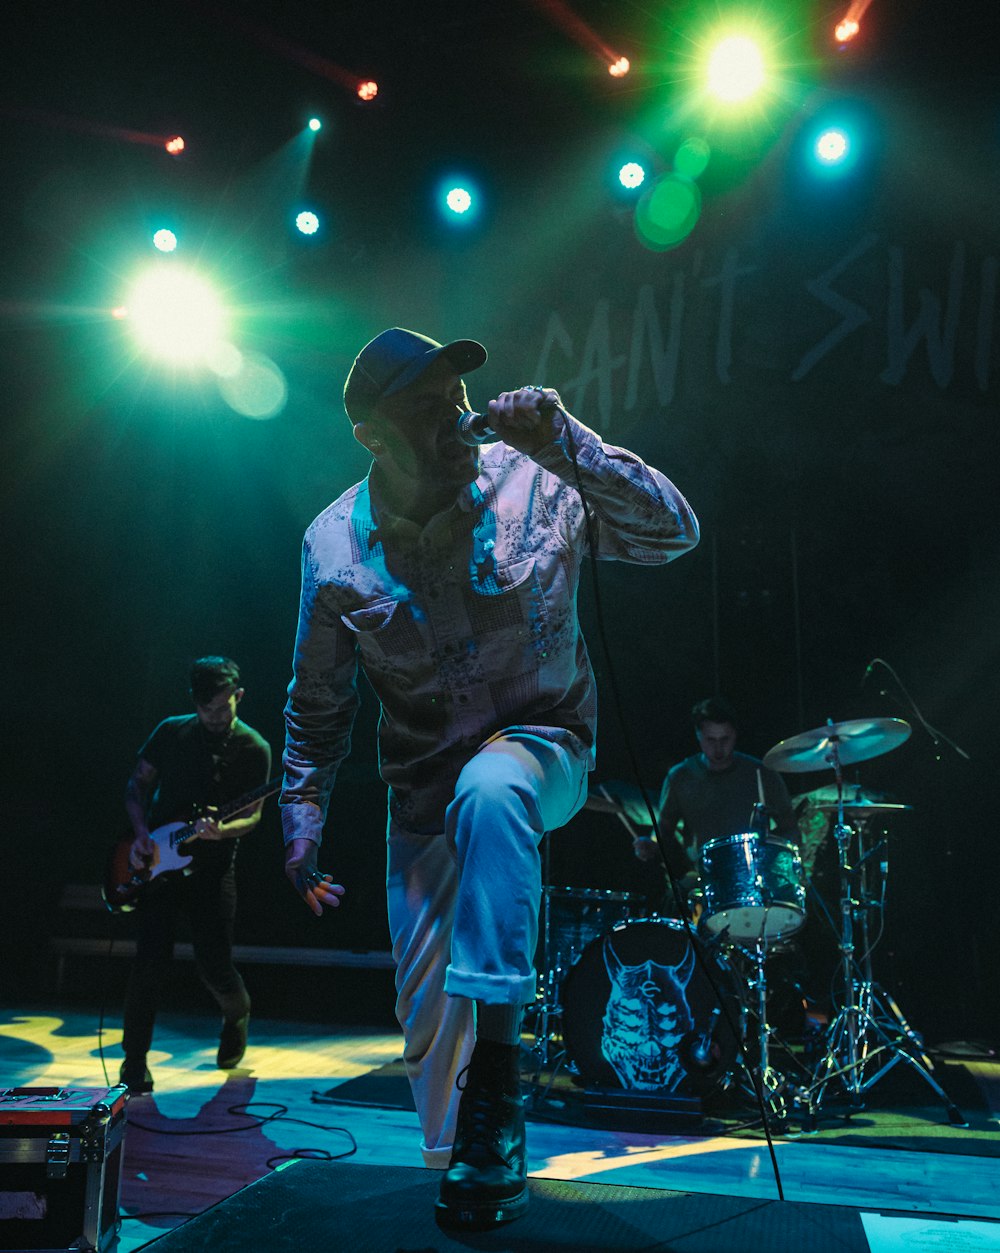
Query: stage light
x=631, y=175
x=668, y=212
x=175, y=146
x=619, y=68
x=315, y=124
x=367, y=90
x=735, y=70
x=458, y=200
x=164, y=240
x=174, y=315
x=306, y=222
x=850, y=24
x=832, y=147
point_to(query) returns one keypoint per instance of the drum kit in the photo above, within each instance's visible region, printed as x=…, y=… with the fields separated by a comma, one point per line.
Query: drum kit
x=679, y=1007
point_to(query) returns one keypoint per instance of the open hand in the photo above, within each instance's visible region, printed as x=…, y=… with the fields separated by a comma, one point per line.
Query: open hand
x=316, y=889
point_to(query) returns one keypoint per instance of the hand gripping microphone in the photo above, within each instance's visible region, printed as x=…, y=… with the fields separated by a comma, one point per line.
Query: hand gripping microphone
x=474, y=428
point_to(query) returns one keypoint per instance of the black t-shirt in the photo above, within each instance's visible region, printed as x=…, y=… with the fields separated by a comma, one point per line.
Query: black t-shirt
x=717, y=803
x=196, y=769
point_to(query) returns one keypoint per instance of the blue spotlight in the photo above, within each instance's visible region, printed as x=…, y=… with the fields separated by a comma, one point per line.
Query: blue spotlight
x=458, y=200
x=164, y=240
x=306, y=222
x=631, y=175
x=315, y=124
x=832, y=147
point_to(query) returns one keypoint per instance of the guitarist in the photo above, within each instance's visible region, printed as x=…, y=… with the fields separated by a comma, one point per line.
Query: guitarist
x=192, y=764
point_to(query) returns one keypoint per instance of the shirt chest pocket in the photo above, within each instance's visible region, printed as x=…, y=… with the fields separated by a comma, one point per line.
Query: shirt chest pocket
x=384, y=630
x=508, y=604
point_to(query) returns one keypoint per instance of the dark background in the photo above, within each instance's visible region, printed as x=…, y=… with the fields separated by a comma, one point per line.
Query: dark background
x=815, y=367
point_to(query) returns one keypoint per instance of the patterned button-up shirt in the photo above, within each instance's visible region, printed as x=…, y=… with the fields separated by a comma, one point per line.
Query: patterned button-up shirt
x=466, y=626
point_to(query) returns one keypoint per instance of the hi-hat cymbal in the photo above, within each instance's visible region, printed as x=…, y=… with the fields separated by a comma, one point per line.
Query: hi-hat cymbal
x=857, y=740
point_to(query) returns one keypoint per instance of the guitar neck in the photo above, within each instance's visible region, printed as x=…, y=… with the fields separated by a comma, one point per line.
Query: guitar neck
x=232, y=808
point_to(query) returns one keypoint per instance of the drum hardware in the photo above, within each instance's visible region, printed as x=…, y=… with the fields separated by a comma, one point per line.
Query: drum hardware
x=868, y=1036
x=571, y=918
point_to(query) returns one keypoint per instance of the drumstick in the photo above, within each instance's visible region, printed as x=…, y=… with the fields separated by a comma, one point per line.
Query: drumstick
x=619, y=812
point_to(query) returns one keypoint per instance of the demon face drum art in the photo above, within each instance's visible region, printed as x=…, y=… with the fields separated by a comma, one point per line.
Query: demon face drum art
x=640, y=1012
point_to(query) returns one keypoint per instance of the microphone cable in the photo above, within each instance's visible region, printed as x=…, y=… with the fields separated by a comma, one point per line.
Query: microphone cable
x=679, y=901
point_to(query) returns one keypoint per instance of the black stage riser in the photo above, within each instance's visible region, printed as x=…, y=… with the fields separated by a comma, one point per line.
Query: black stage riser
x=320, y=1207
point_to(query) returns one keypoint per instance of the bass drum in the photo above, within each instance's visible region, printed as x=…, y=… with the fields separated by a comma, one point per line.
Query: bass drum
x=640, y=1013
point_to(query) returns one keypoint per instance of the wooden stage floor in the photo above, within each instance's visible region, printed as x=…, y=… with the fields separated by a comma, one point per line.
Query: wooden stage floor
x=203, y=1134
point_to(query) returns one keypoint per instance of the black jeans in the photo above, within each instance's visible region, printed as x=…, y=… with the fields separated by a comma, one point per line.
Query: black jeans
x=209, y=903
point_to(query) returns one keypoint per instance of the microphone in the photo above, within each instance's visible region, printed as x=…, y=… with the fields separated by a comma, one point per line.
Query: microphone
x=474, y=428
x=701, y=1048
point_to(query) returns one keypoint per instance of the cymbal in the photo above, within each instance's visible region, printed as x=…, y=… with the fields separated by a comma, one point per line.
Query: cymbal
x=857, y=740
x=618, y=797
x=862, y=809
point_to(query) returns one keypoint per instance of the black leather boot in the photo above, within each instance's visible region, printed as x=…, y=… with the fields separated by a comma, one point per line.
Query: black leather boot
x=486, y=1182
x=135, y=1075
x=232, y=1043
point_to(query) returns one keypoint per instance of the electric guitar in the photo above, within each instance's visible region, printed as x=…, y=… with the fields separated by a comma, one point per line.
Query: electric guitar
x=123, y=884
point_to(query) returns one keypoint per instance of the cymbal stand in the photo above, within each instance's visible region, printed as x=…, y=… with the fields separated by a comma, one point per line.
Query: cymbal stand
x=869, y=1035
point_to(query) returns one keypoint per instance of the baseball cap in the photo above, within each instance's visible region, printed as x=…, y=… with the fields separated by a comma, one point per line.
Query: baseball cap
x=396, y=358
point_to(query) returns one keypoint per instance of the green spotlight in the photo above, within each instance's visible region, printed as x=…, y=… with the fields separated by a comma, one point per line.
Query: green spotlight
x=736, y=69
x=164, y=240
x=315, y=124
x=174, y=315
x=668, y=212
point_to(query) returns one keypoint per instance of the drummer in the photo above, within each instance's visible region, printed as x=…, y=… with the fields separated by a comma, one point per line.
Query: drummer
x=713, y=794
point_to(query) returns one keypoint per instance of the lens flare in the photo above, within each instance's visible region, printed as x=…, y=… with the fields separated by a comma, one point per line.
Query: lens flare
x=668, y=212
x=692, y=157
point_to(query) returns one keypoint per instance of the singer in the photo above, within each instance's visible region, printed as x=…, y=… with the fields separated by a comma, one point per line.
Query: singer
x=450, y=574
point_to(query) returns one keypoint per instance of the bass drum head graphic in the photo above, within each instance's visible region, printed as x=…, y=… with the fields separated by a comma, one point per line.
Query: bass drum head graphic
x=640, y=1013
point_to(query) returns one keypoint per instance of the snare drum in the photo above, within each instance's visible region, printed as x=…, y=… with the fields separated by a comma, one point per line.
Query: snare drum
x=640, y=1013
x=754, y=888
